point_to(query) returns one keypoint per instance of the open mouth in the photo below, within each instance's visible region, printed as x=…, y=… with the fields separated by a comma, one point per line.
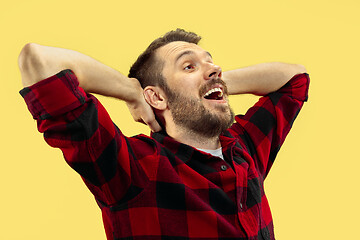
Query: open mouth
x=214, y=94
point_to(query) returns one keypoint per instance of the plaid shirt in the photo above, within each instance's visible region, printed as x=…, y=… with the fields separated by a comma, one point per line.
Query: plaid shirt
x=157, y=188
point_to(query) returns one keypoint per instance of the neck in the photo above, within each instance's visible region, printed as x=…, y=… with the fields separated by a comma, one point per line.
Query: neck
x=193, y=139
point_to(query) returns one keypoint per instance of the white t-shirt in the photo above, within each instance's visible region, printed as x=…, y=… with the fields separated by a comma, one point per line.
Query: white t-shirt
x=216, y=152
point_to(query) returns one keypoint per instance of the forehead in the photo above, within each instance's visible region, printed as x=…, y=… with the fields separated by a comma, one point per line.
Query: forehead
x=171, y=51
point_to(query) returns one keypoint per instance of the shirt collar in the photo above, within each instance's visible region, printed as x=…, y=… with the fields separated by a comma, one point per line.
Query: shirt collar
x=185, y=152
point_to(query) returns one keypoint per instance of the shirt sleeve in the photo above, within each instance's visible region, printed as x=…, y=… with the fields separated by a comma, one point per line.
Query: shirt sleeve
x=79, y=125
x=265, y=126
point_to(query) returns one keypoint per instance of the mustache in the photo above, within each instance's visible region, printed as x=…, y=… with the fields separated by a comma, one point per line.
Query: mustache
x=212, y=82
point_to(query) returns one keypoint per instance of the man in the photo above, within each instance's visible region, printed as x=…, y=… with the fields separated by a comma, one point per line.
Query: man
x=198, y=176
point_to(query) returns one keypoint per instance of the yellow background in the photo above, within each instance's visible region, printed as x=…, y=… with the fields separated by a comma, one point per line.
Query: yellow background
x=313, y=188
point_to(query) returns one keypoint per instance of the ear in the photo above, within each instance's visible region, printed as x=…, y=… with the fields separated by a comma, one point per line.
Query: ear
x=154, y=96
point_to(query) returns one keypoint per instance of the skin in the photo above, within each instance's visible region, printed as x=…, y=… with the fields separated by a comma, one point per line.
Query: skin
x=37, y=62
x=187, y=69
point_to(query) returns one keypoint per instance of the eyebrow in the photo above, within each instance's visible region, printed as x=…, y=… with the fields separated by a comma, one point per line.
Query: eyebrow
x=188, y=52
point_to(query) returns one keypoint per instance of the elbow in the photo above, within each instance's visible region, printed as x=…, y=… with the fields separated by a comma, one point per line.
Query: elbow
x=30, y=63
x=290, y=70
x=300, y=68
x=29, y=57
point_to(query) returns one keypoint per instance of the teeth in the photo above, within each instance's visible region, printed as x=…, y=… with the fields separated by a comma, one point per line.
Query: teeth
x=214, y=90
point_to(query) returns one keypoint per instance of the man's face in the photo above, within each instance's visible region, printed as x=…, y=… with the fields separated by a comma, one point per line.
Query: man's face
x=197, y=96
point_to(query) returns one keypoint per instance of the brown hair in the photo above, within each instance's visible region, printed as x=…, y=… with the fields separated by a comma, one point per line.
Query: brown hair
x=147, y=68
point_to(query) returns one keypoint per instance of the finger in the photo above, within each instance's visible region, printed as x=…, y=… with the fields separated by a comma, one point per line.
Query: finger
x=140, y=121
x=153, y=125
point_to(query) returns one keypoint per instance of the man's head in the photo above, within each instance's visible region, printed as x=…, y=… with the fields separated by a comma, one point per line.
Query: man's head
x=148, y=67
x=183, y=85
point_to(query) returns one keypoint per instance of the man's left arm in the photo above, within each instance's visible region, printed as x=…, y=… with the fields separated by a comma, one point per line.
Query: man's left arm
x=264, y=127
x=260, y=79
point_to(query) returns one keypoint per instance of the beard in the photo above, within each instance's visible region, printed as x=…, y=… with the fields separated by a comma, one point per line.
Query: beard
x=191, y=114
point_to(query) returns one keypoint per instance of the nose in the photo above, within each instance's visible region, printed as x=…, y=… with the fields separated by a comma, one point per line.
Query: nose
x=213, y=71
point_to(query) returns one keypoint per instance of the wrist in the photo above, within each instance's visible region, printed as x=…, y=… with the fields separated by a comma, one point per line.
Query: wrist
x=132, y=91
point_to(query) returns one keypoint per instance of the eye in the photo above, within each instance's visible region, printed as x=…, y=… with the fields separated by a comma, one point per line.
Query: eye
x=189, y=67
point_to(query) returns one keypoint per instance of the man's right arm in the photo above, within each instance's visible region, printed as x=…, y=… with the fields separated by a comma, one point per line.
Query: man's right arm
x=37, y=62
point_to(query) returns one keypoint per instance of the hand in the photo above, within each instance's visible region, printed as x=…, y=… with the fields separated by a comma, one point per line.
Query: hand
x=142, y=112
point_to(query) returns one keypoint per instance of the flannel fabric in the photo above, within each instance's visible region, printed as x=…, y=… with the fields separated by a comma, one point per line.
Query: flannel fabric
x=157, y=188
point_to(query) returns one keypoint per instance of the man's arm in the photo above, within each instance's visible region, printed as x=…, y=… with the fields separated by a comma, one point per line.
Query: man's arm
x=37, y=62
x=261, y=79
x=264, y=127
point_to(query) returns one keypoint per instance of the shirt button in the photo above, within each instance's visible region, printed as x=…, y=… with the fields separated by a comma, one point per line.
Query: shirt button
x=240, y=205
x=266, y=233
x=223, y=167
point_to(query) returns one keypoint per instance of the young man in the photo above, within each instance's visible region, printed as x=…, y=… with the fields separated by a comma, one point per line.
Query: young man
x=199, y=175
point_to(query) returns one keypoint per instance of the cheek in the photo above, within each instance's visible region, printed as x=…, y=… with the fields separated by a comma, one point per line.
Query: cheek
x=184, y=81
x=192, y=82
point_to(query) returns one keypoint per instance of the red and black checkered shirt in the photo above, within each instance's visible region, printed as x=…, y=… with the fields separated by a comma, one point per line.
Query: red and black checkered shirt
x=157, y=188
